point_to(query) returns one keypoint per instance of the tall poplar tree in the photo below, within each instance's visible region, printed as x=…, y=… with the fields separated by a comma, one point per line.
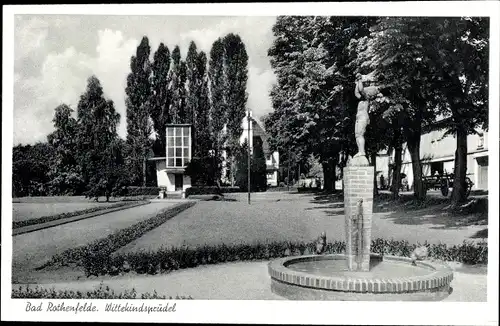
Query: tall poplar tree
x=138, y=92
x=161, y=97
x=217, y=104
x=175, y=88
x=235, y=95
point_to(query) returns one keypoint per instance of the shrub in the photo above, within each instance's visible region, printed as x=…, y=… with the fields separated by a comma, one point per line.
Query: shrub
x=210, y=190
x=141, y=191
x=165, y=260
x=99, y=293
x=96, y=255
x=49, y=218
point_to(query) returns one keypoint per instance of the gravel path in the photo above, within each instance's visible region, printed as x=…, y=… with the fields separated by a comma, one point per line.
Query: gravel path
x=247, y=281
x=31, y=250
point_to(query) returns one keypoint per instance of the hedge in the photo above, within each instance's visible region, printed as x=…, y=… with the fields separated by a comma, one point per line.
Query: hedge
x=165, y=260
x=99, y=293
x=93, y=252
x=141, y=191
x=196, y=190
x=49, y=218
x=307, y=189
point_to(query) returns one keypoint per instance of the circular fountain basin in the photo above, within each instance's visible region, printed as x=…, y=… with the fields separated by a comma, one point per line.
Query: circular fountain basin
x=390, y=278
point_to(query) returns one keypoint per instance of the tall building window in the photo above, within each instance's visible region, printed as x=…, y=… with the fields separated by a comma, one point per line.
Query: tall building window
x=178, y=146
x=480, y=143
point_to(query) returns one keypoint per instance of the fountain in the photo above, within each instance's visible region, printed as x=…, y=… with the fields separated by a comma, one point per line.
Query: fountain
x=359, y=274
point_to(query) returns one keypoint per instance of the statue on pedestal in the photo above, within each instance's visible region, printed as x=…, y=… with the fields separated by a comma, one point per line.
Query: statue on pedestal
x=364, y=94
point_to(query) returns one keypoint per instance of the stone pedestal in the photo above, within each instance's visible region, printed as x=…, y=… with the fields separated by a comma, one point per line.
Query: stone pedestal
x=358, y=206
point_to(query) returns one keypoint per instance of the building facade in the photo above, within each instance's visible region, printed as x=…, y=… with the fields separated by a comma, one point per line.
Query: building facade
x=170, y=169
x=437, y=154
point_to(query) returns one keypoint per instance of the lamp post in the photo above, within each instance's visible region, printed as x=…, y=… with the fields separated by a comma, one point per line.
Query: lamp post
x=249, y=157
x=288, y=172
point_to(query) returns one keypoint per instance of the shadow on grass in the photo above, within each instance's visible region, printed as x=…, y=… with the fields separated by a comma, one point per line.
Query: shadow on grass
x=434, y=210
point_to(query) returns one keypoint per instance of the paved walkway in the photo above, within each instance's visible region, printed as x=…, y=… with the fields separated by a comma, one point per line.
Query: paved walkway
x=247, y=281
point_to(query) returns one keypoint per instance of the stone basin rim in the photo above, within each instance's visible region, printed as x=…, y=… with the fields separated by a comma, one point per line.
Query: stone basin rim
x=440, y=275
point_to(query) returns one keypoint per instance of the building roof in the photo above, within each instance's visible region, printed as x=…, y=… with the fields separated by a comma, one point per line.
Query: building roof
x=258, y=130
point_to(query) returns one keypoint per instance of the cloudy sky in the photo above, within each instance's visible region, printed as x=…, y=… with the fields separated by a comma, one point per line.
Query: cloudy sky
x=55, y=54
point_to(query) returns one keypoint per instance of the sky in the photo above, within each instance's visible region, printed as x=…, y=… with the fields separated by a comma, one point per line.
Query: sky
x=55, y=54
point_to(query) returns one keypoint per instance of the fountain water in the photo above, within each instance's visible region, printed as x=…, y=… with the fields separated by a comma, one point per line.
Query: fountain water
x=359, y=275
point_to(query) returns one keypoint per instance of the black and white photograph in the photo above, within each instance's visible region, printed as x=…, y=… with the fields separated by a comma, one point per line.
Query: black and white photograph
x=306, y=163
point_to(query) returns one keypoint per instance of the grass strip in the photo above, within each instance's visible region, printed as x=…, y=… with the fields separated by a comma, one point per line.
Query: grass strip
x=50, y=218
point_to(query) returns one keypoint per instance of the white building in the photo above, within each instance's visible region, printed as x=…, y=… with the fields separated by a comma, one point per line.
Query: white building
x=272, y=158
x=437, y=154
x=170, y=169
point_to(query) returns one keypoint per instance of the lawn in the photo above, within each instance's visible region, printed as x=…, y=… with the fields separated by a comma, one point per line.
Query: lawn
x=295, y=217
x=271, y=216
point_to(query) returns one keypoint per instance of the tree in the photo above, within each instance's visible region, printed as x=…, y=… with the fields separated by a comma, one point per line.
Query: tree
x=313, y=100
x=65, y=175
x=176, y=88
x=138, y=97
x=395, y=55
x=100, y=156
x=458, y=53
x=160, y=102
x=217, y=104
x=193, y=81
x=258, y=177
x=31, y=165
x=242, y=166
x=235, y=95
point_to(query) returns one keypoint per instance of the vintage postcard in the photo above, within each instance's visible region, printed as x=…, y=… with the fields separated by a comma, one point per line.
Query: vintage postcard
x=302, y=163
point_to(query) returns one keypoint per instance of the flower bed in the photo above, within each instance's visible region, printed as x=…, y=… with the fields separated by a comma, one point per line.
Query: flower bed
x=99, y=293
x=50, y=218
x=99, y=249
x=165, y=260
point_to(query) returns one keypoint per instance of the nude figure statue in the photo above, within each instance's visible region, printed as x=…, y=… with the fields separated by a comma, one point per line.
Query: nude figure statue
x=364, y=94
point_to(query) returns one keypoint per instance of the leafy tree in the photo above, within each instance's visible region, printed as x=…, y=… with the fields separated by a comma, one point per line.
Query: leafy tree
x=65, y=175
x=31, y=165
x=313, y=100
x=139, y=129
x=458, y=53
x=160, y=102
x=99, y=147
x=395, y=55
x=217, y=103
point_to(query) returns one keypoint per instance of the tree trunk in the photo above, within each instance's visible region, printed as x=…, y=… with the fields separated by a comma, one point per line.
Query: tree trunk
x=329, y=175
x=373, y=158
x=459, y=191
x=418, y=185
x=144, y=172
x=396, y=173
